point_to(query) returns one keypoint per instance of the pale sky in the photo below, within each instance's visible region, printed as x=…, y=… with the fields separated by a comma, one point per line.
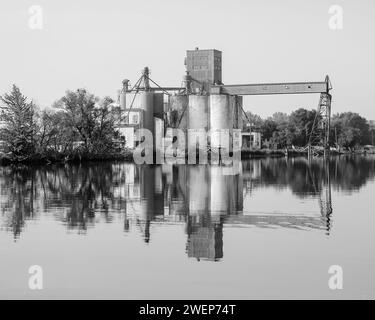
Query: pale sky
x=96, y=44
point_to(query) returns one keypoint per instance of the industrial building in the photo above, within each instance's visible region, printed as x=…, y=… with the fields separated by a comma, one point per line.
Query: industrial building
x=190, y=108
x=251, y=140
x=204, y=103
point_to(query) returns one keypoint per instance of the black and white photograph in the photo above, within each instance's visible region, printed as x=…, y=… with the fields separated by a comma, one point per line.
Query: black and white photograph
x=185, y=154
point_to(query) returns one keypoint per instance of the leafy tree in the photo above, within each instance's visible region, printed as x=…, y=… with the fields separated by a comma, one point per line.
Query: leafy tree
x=302, y=120
x=18, y=130
x=282, y=135
x=372, y=131
x=106, y=120
x=350, y=129
x=54, y=135
x=90, y=119
x=268, y=128
x=46, y=128
x=280, y=117
x=255, y=120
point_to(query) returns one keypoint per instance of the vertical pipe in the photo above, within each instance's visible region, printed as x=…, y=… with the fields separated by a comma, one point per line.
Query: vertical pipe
x=146, y=80
x=125, y=84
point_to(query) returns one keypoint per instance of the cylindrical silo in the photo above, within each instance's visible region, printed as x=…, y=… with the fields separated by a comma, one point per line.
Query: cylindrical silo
x=221, y=119
x=198, y=117
x=178, y=114
x=178, y=108
x=125, y=84
x=198, y=112
x=122, y=100
x=143, y=100
x=147, y=104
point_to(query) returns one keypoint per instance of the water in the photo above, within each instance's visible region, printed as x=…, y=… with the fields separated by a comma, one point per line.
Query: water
x=117, y=230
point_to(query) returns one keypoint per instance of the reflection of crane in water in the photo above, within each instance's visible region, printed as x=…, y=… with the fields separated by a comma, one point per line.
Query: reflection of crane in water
x=324, y=192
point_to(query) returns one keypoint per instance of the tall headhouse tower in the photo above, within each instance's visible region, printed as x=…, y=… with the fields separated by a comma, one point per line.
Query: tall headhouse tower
x=204, y=66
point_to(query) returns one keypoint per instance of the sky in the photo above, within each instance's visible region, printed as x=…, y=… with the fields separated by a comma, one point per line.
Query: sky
x=96, y=44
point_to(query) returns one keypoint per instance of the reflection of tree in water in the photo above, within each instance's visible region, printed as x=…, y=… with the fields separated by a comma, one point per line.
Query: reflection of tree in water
x=83, y=190
x=75, y=193
x=351, y=172
x=18, y=191
x=298, y=175
x=80, y=195
x=305, y=177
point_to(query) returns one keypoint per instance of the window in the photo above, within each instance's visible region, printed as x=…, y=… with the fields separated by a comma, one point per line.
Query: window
x=135, y=119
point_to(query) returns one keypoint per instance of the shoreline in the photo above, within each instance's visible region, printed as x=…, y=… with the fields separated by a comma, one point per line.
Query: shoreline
x=5, y=160
x=128, y=157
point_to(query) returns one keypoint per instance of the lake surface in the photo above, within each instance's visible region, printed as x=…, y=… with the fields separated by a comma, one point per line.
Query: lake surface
x=270, y=229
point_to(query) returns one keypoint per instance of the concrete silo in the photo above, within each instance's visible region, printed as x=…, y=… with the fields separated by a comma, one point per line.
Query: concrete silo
x=125, y=84
x=198, y=116
x=178, y=113
x=222, y=111
x=141, y=105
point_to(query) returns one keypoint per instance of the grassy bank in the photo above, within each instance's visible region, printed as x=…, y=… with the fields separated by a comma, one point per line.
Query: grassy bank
x=127, y=155
x=71, y=158
x=271, y=153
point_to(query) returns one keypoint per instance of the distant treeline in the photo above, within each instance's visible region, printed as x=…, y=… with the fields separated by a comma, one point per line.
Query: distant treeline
x=83, y=126
x=79, y=125
x=348, y=129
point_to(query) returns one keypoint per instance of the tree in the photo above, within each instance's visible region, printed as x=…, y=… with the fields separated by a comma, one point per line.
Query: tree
x=54, y=135
x=255, y=120
x=106, y=120
x=350, y=129
x=282, y=134
x=302, y=120
x=18, y=130
x=280, y=117
x=46, y=128
x=90, y=119
x=372, y=131
x=268, y=128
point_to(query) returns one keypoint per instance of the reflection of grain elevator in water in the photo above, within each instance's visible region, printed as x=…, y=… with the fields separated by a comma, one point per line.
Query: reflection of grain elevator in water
x=205, y=198
x=203, y=102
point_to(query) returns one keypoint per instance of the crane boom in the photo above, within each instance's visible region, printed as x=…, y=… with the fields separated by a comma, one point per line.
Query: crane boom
x=273, y=88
